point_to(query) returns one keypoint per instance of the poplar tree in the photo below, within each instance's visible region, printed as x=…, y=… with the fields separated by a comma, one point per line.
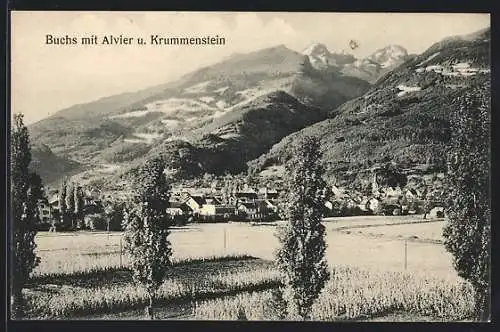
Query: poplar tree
x=468, y=231
x=70, y=204
x=62, y=202
x=78, y=203
x=301, y=257
x=146, y=229
x=26, y=191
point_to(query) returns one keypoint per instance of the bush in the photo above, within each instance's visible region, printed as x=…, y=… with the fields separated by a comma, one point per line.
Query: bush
x=389, y=209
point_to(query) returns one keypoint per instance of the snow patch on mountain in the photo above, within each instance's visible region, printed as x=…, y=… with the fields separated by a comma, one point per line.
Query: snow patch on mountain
x=172, y=105
x=170, y=122
x=197, y=88
x=177, y=138
x=221, y=104
x=229, y=135
x=207, y=99
x=407, y=89
x=133, y=114
x=316, y=49
x=364, y=63
x=250, y=95
x=221, y=90
x=109, y=168
x=429, y=59
x=147, y=138
x=389, y=56
x=319, y=56
x=133, y=140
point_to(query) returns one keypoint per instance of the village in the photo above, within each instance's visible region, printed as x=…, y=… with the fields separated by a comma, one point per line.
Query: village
x=236, y=203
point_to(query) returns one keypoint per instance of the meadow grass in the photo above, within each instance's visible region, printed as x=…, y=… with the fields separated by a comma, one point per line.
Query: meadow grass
x=222, y=289
x=111, y=291
x=356, y=294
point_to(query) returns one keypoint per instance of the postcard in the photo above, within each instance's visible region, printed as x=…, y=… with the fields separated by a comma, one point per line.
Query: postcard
x=250, y=166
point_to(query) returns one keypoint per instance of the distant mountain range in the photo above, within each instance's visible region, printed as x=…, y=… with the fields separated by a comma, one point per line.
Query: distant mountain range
x=246, y=109
x=404, y=117
x=271, y=91
x=370, y=68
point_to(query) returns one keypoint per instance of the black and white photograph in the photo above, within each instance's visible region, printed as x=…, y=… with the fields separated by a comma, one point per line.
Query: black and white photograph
x=250, y=166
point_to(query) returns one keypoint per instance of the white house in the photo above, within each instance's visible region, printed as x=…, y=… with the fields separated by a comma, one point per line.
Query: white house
x=45, y=212
x=178, y=209
x=196, y=203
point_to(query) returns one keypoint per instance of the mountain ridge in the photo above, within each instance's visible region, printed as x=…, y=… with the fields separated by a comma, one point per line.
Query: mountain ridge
x=403, y=118
x=195, y=100
x=224, y=117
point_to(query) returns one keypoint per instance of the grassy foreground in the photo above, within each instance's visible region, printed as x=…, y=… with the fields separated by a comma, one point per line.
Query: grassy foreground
x=221, y=288
x=80, y=294
x=355, y=294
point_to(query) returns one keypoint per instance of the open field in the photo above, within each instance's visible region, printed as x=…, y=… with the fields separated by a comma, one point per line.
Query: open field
x=84, y=251
x=222, y=268
x=340, y=223
x=429, y=231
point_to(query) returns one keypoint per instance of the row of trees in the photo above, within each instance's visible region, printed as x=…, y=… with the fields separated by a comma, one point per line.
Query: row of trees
x=71, y=203
x=301, y=255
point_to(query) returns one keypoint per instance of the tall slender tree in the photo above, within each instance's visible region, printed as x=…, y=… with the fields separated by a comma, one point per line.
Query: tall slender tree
x=301, y=256
x=146, y=225
x=62, y=201
x=70, y=204
x=468, y=231
x=25, y=194
x=78, y=203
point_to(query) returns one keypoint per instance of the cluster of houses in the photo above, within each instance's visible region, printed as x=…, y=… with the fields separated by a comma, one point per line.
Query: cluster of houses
x=382, y=201
x=197, y=205
x=209, y=205
x=245, y=203
x=48, y=210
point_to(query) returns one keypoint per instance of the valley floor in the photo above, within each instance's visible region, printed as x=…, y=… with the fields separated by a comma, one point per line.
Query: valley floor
x=363, y=250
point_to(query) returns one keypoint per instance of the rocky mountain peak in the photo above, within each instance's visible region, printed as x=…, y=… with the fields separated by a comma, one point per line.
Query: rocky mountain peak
x=389, y=55
x=316, y=49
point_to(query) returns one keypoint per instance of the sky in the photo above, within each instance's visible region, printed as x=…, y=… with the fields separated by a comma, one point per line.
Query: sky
x=47, y=78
